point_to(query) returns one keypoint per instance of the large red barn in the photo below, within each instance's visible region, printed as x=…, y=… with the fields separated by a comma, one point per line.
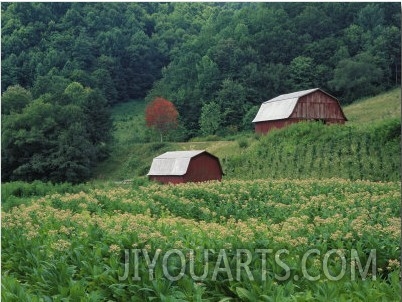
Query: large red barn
x=185, y=166
x=306, y=105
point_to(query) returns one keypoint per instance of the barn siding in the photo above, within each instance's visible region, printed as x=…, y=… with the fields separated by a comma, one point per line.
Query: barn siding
x=264, y=127
x=167, y=179
x=203, y=167
x=318, y=105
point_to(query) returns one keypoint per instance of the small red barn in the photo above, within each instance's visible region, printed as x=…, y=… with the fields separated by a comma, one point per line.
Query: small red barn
x=306, y=105
x=185, y=166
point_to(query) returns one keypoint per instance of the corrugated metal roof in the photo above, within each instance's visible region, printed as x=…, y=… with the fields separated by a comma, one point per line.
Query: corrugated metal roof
x=172, y=163
x=280, y=107
x=275, y=110
x=292, y=95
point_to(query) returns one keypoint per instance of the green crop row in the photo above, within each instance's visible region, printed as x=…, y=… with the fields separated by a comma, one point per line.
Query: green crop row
x=308, y=150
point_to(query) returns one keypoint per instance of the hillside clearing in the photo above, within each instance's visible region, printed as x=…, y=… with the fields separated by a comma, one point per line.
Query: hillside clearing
x=384, y=106
x=368, y=141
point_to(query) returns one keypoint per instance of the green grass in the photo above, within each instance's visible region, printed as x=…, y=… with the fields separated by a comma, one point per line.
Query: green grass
x=129, y=123
x=366, y=111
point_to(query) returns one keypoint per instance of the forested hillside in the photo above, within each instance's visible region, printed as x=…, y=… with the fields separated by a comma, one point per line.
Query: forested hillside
x=65, y=64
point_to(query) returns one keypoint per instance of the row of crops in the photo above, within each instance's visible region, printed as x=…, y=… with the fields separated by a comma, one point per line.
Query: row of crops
x=313, y=150
x=265, y=240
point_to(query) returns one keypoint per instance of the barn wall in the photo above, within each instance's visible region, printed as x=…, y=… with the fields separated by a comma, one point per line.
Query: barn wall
x=318, y=105
x=167, y=179
x=203, y=167
x=264, y=127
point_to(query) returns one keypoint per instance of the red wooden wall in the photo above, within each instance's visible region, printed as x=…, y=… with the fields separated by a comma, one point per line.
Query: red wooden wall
x=318, y=105
x=264, y=127
x=174, y=179
x=203, y=167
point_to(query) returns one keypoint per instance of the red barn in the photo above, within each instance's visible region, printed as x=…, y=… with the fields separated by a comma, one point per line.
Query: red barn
x=306, y=105
x=185, y=166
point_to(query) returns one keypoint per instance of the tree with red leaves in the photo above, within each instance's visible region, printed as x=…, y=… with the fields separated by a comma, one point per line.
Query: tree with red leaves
x=161, y=115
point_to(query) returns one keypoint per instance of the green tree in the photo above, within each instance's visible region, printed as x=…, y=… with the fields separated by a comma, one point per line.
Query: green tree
x=98, y=122
x=50, y=83
x=356, y=77
x=232, y=99
x=248, y=118
x=74, y=156
x=27, y=141
x=59, y=137
x=185, y=51
x=76, y=93
x=354, y=38
x=208, y=77
x=370, y=16
x=387, y=47
x=313, y=21
x=15, y=99
x=210, y=118
x=302, y=73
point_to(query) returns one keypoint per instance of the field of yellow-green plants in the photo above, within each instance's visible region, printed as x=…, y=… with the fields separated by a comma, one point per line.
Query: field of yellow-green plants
x=265, y=240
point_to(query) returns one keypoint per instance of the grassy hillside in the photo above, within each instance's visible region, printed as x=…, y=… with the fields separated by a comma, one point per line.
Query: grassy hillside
x=378, y=108
x=367, y=147
x=135, y=145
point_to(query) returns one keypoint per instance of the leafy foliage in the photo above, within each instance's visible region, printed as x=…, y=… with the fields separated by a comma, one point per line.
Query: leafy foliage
x=357, y=76
x=105, y=46
x=57, y=137
x=210, y=118
x=72, y=245
x=306, y=150
x=234, y=54
x=15, y=98
x=245, y=54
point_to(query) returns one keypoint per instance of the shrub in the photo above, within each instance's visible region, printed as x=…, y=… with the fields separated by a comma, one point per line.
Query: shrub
x=243, y=143
x=157, y=146
x=208, y=138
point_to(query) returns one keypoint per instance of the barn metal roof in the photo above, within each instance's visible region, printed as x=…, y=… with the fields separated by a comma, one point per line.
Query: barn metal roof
x=280, y=107
x=173, y=162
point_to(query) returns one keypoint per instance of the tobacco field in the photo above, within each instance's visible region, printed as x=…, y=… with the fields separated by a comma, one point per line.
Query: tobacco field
x=70, y=246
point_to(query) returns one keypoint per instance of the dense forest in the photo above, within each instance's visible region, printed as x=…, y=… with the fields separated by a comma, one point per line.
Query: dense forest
x=64, y=64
